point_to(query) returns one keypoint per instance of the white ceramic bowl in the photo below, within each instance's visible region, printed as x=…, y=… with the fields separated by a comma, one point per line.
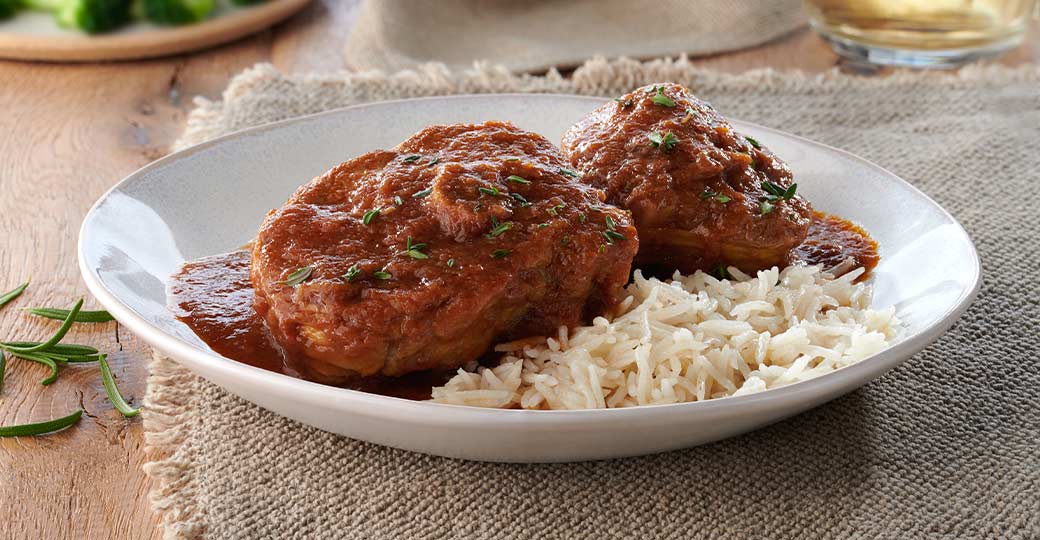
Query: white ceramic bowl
x=210, y=199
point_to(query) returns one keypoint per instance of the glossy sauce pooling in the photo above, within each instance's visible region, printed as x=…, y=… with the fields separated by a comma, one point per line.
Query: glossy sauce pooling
x=832, y=240
x=214, y=297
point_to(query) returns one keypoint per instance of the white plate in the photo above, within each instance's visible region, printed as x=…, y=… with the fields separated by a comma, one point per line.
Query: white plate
x=210, y=199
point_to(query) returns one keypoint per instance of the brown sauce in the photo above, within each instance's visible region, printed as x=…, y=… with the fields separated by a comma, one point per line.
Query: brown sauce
x=214, y=297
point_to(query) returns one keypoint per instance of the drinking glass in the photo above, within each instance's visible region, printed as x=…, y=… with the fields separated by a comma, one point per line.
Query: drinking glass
x=920, y=33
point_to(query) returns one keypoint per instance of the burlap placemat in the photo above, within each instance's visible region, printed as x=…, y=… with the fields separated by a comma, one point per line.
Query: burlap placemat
x=946, y=446
x=532, y=35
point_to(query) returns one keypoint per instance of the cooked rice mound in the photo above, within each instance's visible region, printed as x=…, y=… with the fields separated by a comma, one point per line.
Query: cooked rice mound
x=690, y=338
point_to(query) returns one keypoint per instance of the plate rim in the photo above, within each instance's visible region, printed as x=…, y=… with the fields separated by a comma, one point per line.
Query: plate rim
x=376, y=405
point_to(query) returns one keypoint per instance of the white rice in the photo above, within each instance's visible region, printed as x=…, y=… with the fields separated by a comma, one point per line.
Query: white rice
x=690, y=338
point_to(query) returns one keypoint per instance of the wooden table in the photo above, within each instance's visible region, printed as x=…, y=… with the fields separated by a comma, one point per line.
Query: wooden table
x=68, y=133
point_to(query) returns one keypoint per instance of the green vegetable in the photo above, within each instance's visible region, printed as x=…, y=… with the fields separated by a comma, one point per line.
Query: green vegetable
x=422, y=193
x=90, y=16
x=61, y=314
x=41, y=428
x=114, y=396
x=298, y=276
x=665, y=142
x=10, y=295
x=175, y=12
x=518, y=179
x=501, y=253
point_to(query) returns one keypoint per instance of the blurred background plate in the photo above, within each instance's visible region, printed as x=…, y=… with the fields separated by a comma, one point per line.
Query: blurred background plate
x=35, y=36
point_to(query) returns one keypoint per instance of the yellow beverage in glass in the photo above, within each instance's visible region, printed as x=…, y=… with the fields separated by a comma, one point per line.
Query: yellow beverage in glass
x=920, y=33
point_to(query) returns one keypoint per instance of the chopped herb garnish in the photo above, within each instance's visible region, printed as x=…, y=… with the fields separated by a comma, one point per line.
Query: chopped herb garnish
x=352, y=273
x=12, y=294
x=610, y=223
x=397, y=200
x=298, y=276
x=582, y=217
x=775, y=193
x=665, y=142
x=511, y=158
x=493, y=191
x=412, y=158
x=612, y=235
x=477, y=207
x=501, y=253
x=62, y=314
x=661, y=99
x=499, y=229
x=569, y=172
x=565, y=240
x=414, y=250
x=625, y=103
x=520, y=199
x=518, y=179
x=451, y=263
x=382, y=275
x=434, y=161
x=370, y=215
x=753, y=141
x=542, y=225
x=554, y=210
x=765, y=207
x=707, y=194
x=422, y=193
x=720, y=271
x=723, y=198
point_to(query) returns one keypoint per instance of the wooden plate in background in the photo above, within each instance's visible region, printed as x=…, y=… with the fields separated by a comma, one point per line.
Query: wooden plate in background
x=35, y=36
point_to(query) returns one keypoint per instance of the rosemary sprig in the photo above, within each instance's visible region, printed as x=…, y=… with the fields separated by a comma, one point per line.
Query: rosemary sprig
x=60, y=315
x=497, y=228
x=370, y=215
x=41, y=428
x=661, y=99
x=414, y=250
x=382, y=275
x=58, y=336
x=298, y=276
x=114, y=396
x=12, y=294
x=501, y=253
x=352, y=273
x=569, y=172
x=412, y=158
x=492, y=191
x=517, y=179
x=422, y=193
x=520, y=199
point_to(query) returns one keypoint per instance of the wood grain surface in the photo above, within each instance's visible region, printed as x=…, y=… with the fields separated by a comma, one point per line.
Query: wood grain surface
x=67, y=133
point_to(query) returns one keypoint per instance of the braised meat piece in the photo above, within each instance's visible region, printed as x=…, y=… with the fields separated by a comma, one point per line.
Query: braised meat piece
x=423, y=256
x=700, y=193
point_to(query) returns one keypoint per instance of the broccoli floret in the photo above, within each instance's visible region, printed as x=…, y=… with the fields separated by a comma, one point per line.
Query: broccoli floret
x=174, y=12
x=8, y=8
x=90, y=16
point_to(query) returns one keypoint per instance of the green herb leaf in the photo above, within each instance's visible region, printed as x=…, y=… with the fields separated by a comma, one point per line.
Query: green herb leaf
x=511, y=158
x=499, y=229
x=610, y=223
x=370, y=215
x=790, y=192
x=612, y=235
x=569, y=172
x=753, y=142
x=12, y=294
x=41, y=428
x=434, y=161
x=412, y=158
x=661, y=99
x=3, y=369
x=422, y=193
x=382, y=275
x=62, y=330
x=723, y=198
x=520, y=199
x=298, y=276
x=414, y=250
x=517, y=179
x=114, y=396
x=397, y=200
x=501, y=253
x=451, y=263
x=493, y=191
x=765, y=207
x=665, y=142
x=707, y=194
x=41, y=359
x=542, y=225
x=582, y=217
x=61, y=314
x=352, y=273
x=554, y=210
x=720, y=271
